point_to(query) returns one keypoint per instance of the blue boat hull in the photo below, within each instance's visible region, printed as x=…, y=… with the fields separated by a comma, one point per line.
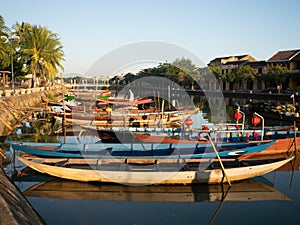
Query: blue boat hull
x=136, y=150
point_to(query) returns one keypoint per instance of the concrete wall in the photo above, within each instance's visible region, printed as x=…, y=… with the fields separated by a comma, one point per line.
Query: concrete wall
x=14, y=108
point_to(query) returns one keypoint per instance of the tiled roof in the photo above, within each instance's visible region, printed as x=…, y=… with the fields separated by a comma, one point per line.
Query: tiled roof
x=227, y=57
x=236, y=58
x=284, y=55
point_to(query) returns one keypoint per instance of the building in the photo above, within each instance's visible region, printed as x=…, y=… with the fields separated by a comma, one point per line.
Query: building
x=291, y=60
x=228, y=63
x=224, y=60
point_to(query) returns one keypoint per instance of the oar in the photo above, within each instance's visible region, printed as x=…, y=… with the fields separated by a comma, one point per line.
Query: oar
x=219, y=159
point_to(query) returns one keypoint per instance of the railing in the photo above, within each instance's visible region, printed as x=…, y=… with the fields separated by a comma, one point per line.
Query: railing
x=22, y=91
x=230, y=130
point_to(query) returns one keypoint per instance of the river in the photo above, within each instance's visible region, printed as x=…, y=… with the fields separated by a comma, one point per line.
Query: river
x=270, y=199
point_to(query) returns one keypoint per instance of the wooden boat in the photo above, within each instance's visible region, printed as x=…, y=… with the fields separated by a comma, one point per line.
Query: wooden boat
x=119, y=106
x=137, y=150
x=174, y=121
x=126, y=102
x=159, y=173
x=126, y=134
x=280, y=147
x=125, y=119
x=159, y=135
x=2, y=157
x=247, y=190
x=92, y=94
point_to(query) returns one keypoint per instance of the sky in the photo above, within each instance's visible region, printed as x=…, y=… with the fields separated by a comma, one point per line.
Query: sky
x=89, y=30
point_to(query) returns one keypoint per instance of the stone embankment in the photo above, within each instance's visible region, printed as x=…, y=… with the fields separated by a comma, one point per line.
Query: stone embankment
x=13, y=108
x=14, y=208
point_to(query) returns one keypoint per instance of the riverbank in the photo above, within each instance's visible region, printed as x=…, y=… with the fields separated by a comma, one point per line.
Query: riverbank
x=14, y=208
x=14, y=108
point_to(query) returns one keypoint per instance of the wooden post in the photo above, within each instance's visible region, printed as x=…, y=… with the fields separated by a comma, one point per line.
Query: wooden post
x=169, y=96
x=295, y=139
x=155, y=99
x=64, y=109
x=158, y=100
x=295, y=124
x=219, y=159
x=162, y=111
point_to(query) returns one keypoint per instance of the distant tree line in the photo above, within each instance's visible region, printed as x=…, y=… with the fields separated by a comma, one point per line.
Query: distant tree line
x=181, y=71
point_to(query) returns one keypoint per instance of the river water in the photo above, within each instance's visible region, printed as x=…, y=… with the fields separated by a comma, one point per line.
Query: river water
x=270, y=199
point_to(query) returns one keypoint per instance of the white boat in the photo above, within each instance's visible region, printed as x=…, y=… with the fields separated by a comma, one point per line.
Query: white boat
x=147, y=174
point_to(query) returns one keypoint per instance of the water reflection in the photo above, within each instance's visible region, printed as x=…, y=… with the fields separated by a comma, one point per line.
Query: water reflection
x=272, y=119
x=249, y=190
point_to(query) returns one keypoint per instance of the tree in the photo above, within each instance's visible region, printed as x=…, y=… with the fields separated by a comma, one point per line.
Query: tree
x=181, y=71
x=217, y=71
x=240, y=73
x=40, y=49
x=129, y=77
x=187, y=67
x=4, y=48
x=231, y=76
x=277, y=74
x=245, y=73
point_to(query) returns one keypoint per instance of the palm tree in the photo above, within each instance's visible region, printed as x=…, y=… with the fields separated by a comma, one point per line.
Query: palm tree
x=4, y=49
x=40, y=49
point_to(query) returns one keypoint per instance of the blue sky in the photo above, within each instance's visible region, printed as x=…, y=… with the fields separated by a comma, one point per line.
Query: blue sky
x=90, y=29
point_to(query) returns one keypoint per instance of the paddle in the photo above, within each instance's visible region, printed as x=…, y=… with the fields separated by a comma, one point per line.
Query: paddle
x=217, y=154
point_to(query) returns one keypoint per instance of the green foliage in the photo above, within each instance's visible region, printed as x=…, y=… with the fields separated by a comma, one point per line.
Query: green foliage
x=129, y=77
x=217, y=71
x=231, y=76
x=39, y=49
x=277, y=73
x=181, y=71
x=187, y=67
x=4, y=48
x=244, y=72
x=234, y=75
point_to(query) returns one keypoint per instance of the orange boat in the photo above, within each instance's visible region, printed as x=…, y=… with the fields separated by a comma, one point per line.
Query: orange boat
x=281, y=147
